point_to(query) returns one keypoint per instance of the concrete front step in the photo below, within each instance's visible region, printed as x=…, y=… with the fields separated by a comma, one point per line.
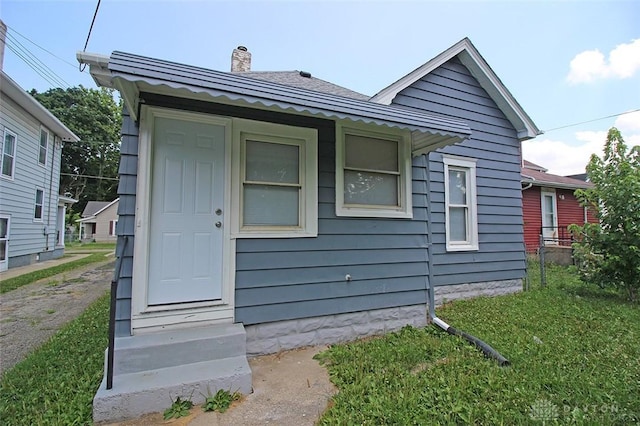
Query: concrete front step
x=178, y=347
x=151, y=391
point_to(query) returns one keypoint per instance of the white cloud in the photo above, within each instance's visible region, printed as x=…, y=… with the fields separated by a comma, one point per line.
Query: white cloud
x=628, y=123
x=568, y=158
x=591, y=65
x=562, y=158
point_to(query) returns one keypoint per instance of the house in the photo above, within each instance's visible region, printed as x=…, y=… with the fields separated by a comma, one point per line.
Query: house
x=32, y=213
x=98, y=221
x=257, y=216
x=549, y=207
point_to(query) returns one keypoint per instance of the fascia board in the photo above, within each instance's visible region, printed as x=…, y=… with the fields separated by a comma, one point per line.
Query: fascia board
x=35, y=108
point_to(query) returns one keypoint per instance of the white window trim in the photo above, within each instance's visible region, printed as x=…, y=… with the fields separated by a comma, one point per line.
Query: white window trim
x=405, y=210
x=472, y=214
x=553, y=240
x=307, y=140
x=46, y=152
x=15, y=150
x=35, y=200
x=112, y=227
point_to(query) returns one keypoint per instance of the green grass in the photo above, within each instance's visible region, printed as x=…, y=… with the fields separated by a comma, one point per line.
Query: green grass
x=77, y=246
x=55, y=384
x=31, y=277
x=574, y=349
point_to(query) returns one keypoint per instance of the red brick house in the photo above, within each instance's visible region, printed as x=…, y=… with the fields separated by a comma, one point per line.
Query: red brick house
x=549, y=206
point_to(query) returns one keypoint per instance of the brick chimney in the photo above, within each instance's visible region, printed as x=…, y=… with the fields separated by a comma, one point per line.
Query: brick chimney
x=240, y=60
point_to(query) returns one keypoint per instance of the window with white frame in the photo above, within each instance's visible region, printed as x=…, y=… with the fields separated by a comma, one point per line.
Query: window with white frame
x=8, y=154
x=39, y=204
x=373, y=173
x=461, y=217
x=276, y=192
x=44, y=147
x=112, y=227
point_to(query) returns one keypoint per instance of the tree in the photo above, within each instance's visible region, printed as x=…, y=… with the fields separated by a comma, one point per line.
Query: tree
x=608, y=252
x=95, y=117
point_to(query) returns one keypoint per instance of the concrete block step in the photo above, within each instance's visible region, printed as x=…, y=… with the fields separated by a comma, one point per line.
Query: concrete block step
x=177, y=347
x=151, y=391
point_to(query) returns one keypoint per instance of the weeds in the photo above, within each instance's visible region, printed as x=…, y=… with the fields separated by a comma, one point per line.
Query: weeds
x=221, y=401
x=179, y=408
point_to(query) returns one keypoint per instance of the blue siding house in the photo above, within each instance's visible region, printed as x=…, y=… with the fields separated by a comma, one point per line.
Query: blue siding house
x=263, y=211
x=32, y=213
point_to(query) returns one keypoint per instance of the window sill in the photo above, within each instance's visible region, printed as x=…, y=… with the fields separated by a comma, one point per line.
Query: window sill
x=360, y=212
x=463, y=247
x=274, y=234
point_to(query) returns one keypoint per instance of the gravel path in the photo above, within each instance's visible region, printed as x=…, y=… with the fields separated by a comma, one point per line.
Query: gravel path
x=31, y=314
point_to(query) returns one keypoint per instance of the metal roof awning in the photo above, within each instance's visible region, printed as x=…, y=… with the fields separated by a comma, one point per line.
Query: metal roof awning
x=132, y=74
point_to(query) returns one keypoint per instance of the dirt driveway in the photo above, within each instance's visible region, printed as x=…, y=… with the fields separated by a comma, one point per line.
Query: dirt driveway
x=31, y=314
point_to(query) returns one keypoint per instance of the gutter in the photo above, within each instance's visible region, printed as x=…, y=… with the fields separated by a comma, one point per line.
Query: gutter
x=487, y=350
x=530, y=183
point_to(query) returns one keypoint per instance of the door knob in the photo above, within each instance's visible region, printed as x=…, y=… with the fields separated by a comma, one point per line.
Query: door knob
x=218, y=212
x=218, y=224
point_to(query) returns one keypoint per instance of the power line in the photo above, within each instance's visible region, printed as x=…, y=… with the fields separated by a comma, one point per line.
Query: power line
x=82, y=67
x=33, y=61
x=591, y=121
x=89, y=176
x=40, y=47
x=34, y=66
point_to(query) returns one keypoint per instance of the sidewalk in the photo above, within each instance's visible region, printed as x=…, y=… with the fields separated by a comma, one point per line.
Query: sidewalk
x=21, y=270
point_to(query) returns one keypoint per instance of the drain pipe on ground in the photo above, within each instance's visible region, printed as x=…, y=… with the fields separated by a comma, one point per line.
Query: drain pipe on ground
x=487, y=350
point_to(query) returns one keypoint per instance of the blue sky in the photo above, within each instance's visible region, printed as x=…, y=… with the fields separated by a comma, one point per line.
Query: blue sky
x=565, y=62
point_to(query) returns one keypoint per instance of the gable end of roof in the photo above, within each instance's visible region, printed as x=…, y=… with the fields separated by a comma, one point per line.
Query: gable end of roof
x=480, y=69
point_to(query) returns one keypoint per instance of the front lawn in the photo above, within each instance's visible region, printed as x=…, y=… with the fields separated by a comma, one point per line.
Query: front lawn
x=574, y=352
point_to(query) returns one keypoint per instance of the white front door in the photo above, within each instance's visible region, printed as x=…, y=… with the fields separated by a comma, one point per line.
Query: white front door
x=4, y=243
x=186, y=236
x=549, y=217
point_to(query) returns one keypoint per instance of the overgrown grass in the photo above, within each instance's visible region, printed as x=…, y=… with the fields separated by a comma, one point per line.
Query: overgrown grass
x=21, y=280
x=574, y=349
x=56, y=383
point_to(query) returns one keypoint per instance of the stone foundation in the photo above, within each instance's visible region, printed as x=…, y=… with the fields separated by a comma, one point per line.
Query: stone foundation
x=447, y=293
x=282, y=335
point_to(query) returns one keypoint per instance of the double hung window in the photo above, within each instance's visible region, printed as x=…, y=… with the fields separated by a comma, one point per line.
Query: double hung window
x=460, y=203
x=277, y=191
x=373, y=174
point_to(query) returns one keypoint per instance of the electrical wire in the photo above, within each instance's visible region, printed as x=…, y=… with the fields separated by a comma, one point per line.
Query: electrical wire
x=33, y=61
x=89, y=176
x=13, y=30
x=591, y=121
x=34, y=66
x=82, y=67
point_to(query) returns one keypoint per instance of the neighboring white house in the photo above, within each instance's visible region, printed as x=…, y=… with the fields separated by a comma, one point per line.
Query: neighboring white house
x=31, y=211
x=99, y=220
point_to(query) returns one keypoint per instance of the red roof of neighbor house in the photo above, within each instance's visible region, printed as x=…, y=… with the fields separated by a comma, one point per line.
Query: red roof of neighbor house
x=538, y=176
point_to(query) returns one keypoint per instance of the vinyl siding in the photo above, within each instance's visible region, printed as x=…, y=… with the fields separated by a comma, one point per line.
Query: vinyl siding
x=17, y=195
x=532, y=210
x=452, y=91
x=278, y=279
x=128, y=171
x=103, y=223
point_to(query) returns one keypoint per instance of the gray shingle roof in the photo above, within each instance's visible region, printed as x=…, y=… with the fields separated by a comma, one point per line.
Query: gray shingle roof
x=93, y=207
x=297, y=79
